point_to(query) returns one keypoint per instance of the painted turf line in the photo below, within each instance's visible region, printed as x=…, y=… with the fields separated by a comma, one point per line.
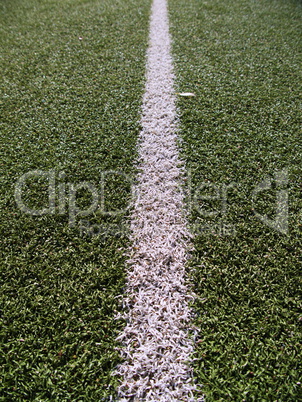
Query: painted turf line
x=157, y=349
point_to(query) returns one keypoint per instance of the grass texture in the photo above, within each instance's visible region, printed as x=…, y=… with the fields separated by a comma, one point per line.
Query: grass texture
x=242, y=59
x=72, y=77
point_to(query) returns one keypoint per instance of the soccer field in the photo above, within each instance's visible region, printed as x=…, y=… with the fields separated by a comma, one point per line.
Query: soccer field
x=72, y=82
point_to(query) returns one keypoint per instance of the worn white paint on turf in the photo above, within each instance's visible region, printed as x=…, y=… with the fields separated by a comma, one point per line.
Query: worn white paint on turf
x=157, y=349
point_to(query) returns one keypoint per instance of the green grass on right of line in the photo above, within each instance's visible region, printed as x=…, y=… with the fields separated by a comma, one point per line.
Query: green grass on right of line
x=242, y=59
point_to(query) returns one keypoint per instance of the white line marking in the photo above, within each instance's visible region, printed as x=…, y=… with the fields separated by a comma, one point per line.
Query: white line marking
x=157, y=347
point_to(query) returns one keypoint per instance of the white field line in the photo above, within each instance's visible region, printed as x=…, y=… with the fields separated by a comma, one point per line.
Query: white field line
x=157, y=349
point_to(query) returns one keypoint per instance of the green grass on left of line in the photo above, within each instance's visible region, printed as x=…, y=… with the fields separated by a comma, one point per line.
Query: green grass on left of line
x=72, y=78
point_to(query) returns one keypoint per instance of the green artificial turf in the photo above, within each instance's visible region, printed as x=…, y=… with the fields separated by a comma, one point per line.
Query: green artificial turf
x=243, y=59
x=72, y=78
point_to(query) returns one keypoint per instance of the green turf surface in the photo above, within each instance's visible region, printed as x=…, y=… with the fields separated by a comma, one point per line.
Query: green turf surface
x=242, y=59
x=72, y=78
